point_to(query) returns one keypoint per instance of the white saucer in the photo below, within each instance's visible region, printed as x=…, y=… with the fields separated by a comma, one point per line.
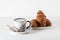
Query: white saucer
x=16, y=33
x=20, y=33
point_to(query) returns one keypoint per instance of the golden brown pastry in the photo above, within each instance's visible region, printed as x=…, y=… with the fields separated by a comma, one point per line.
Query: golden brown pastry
x=40, y=21
x=41, y=18
x=40, y=12
x=34, y=23
x=48, y=22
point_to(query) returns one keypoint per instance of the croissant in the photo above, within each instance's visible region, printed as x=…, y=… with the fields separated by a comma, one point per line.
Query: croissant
x=48, y=22
x=41, y=18
x=34, y=23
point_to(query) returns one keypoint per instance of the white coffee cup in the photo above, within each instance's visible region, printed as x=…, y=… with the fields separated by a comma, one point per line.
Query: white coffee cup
x=20, y=24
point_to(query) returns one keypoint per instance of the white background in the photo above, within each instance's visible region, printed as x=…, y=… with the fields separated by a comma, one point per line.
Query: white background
x=28, y=9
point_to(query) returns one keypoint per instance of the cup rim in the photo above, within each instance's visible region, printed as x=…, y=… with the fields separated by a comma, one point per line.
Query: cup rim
x=19, y=19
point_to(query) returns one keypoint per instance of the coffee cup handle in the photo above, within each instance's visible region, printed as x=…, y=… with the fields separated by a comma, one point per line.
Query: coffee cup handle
x=28, y=25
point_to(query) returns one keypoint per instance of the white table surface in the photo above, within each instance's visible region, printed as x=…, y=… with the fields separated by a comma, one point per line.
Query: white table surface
x=52, y=33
